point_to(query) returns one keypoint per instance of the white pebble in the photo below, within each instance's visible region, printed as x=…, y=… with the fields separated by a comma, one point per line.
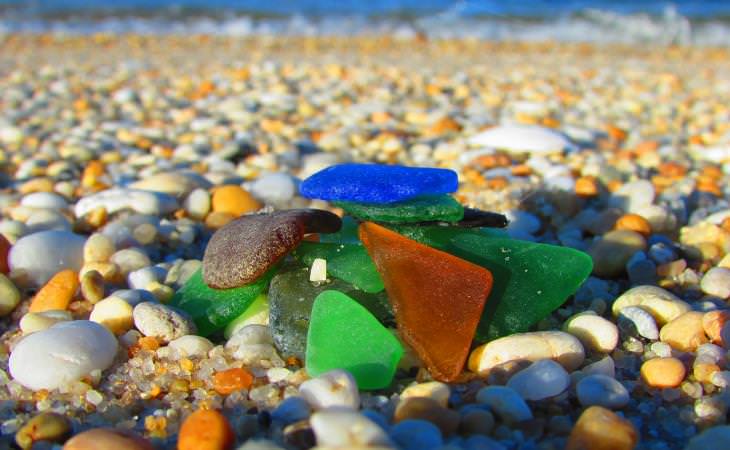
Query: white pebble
x=560, y=346
x=130, y=259
x=604, y=366
x=161, y=321
x=333, y=388
x=660, y=303
x=60, y=249
x=318, y=272
x=434, y=390
x=721, y=378
x=114, y=313
x=661, y=349
x=118, y=199
x=602, y=391
x=638, y=319
x=46, y=200
x=341, y=428
x=141, y=278
x=273, y=188
x=197, y=204
x=542, y=379
x=505, y=402
x=62, y=354
x=716, y=282
x=191, y=345
x=632, y=196
x=522, y=139
x=594, y=331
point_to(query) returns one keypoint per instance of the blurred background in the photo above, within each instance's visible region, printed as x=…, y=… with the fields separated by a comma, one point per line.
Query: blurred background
x=687, y=22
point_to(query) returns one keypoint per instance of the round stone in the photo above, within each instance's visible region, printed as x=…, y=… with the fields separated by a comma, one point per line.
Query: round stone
x=602, y=391
x=663, y=372
x=234, y=200
x=46, y=200
x=685, y=333
x=611, y=252
x=593, y=331
x=161, y=321
x=660, y=303
x=716, y=282
x=9, y=295
x=60, y=249
x=64, y=353
x=108, y=439
x=274, y=188
x=542, y=379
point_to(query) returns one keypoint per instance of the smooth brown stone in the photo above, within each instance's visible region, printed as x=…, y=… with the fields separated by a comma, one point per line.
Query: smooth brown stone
x=244, y=249
x=107, y=439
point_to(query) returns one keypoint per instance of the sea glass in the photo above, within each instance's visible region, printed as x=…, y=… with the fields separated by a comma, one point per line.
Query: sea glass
x=348, y=262
x=256, y=314
x=530, y=280
x=344, y=335
x=442, y=208
x=346, y=235
x=291, y=296
x=212, y=309
x=437, y=298
x=377, y=183
x=241, y=251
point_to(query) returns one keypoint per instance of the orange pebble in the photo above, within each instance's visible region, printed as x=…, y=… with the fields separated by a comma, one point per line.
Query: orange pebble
x=713, y=322
x=205, y=430
x=4, y=250
x=234, y=200
x=634, y=222
x=586, y=187
x=57, y=293
x=231, y=380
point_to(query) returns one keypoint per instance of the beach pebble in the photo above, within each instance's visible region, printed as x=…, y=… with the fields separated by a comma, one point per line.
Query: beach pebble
x=594, y=332
x=422, y=408
x=604, y=366
x=685, y=332
x=205, y=429
x=176, y=184
x=636, y=320
x=613, y=250
x=343, y=428
x=46, y=426
x=274, y=188
x=142, y=278
x=38, y=321
x=292, y=409
x=565, y=348
x=476, y=421
x=522, y=139
x=714, y=438
x=542, y=379
x=434, y=390
x=197, y=204
x=46, y=200
x=663, y=372
x=114, y=313
x=415, y=434
x=505, y=402
x=335, y=388
x=714, y=322
x=118, y=199
x=98, y=248
x=60, y=249
x=633, y=196
x=660, y=303
x=191, y=346
x=129, y=260
x=599, y=428
x=233, y=200
x=9, y=295
x=161, y=321
x=46, y=219
x=716, y=282
x=601, y=390
x=57, y=293
x=64, y=353
x=108, y=439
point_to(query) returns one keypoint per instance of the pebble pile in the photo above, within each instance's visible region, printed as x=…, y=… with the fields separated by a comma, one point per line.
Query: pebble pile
x=197, y=250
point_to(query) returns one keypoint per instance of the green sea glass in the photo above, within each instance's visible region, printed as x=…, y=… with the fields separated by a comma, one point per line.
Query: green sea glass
x=212, y=309
x=348, y=262
x=346, y=235
x=345, y=335
x=443, y=208
x=530, y=280
x=291, y=296
x=257, y=313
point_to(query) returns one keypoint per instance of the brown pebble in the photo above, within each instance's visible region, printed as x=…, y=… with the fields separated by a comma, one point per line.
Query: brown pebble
x=425, y=408
x=599, y=428
x=246, y=248
x=107, y=439
x=663, y=372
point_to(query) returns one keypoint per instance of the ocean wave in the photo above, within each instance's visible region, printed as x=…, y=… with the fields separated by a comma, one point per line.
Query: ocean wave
x=460, y=20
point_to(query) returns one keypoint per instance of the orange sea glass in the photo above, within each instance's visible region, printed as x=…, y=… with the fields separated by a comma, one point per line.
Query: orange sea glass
x=437, y=298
